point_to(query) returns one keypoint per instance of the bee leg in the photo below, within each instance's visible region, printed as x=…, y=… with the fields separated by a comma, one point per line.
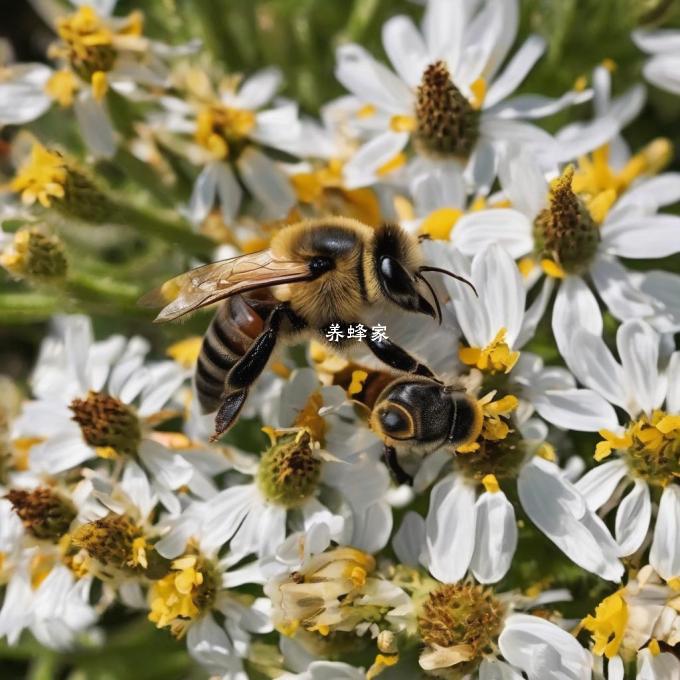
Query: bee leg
x=249, y=367
x=399, y=475
x=396, y=357
x=227, y=414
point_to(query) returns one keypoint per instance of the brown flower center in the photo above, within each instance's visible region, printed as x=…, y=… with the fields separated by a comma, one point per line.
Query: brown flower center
x=107, y=422
x=446, y=123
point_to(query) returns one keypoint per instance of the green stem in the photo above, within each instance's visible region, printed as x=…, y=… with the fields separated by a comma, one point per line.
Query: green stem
x=170, y=230
x=360, y=17
x=85, y=286
x=29, y=307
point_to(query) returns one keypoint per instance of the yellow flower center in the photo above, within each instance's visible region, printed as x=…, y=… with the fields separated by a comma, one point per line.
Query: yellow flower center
x=459, y=624
x=115, y=541
x=608, y=625
x=594, y=175
x=495, y=357
x=289, y=471
x=566, y=233
x=218, y=127
x=42, y=178
x=35, y=254
x=188, y=590
x=650, y=446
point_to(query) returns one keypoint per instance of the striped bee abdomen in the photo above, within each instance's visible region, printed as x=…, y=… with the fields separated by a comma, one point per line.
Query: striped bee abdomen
x=236, y=324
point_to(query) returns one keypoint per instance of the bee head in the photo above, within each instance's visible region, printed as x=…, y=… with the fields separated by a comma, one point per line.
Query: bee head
x=397, y=263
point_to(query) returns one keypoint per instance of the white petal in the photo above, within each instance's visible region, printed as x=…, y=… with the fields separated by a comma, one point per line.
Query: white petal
x=22, y=93
x=664, y=555
x=673, y=377
x=493, y=669
x=594, y=365
x=211, y=647
x=534, y=315
x=501, y=290
x=259, y=88
x=543, y=650
x=627, y=106
x=560, y=512
x=632, y=519
x=95, y=125
x=481, y=168
x=509, y=228
x=575, y=308
x=60, y=453
x=450, y=529
x=533, y=106
x=496, y=539
x=662, y=40
x=516, y=70
x=646, y=236
x=278, y=127
x=229, y=191
x=405, y=48
x=616, y=288
x=598, y=485
x=578, y=139
x=372, y=527
x=638, y=346
x=575, y=409
x=266, y=182
x=370, y=81
x=523, y=180
x=372, y=156
x=520, y=133
x=409, y=539
x=443, y=27
x=663, y=71
x=652, y=193
x=615, y=670
x=165, y=466
x=664, y=666
x=203, y=193
x=437, y=185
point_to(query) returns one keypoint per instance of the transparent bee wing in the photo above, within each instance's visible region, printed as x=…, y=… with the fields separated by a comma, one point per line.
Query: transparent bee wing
x=218, y=280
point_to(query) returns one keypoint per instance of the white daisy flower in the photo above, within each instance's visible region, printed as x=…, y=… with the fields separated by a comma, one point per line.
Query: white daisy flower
x=100, y=401
x=321, y=468
x=469, y=630
x=198, y=587
x=578, y=236
x=484, y=537
x=648, y=444
x=41, y=594
x=630, y=624
x=98, y=51
x=663, y=67
x=449, y=95
x=496, y=323
x=229, y=126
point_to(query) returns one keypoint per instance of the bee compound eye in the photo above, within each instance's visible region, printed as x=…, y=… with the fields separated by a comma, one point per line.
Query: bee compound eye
x=320, y=264
x=395, y=421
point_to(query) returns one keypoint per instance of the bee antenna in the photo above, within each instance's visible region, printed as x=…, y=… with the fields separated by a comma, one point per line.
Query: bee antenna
x=451, y=274
x=434, y=296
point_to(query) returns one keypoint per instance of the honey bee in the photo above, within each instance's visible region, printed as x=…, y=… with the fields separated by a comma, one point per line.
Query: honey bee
x=416, y=415
x=316, y=273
